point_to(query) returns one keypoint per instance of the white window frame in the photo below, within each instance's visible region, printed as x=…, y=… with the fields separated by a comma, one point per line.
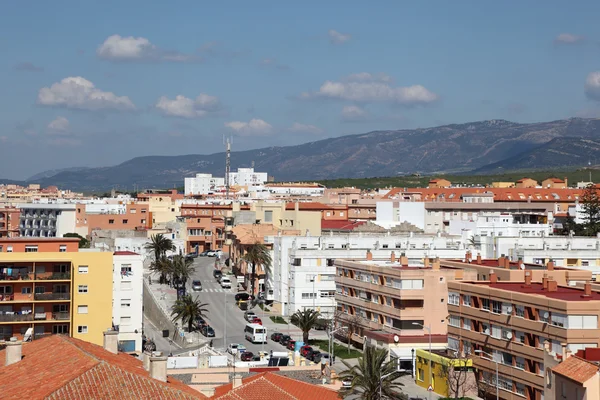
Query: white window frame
x=82, y=269
x=454, y=320
x=83, y=309
x=82, y=329
x=467, y=300
x=82, y=289
x=453, y=298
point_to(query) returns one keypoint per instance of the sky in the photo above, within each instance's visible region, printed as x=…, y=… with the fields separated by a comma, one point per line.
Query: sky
x=96, y=83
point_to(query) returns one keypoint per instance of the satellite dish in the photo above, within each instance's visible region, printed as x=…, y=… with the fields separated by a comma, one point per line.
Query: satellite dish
x=509, y=335
x=509, y=309
x=546, y=314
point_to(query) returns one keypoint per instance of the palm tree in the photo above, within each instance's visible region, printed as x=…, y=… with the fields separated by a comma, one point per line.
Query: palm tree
x=160, y=244
x=371, y=375
x=182, y=270
x=188, y=310
x=305, y=320
x=162, y=266
x=258, y=254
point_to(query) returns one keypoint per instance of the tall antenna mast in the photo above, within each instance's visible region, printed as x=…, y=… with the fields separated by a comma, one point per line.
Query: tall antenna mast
x=227, y=167
x=590, y=169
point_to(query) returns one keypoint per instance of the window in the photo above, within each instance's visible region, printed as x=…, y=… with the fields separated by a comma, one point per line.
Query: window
x=143, y=211
x=507, y=308
x=143, y=221
x=111, y=221
x=453, y=344
x=496, y=331
x=82, y=309
x=82, y=269
x=541, y=341
x=125, y=303
x=125, y=221
x=411, y=284
x=466, y=299
x=496, y=307
x=126, y=270
x=453, y=298
x=60, y=329
x=485, y=328
x=467, y=347
x=31, y=249
x=133, y=211
x=520, y=388
x=582, y=321
x=62, y=248
x=82, y=329
x=269, y=216
x=306, y=296
x=26, y=290
x=520, y=311
x=559, y=320
x=40, y=289
x=507, y=334
x=519, y=337
x=126, y=285
x=421, y=375
x=543, y=315
x=82, y=289
x=485, y=304
x=467, y=324
x=125, y=320
x=454, y=320
x=9, y=249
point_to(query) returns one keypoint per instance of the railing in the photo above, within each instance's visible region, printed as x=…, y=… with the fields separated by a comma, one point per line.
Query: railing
x=41, y=335
x=61, y=316
x=53, y=276
x=7, y=297
x=40, y=316
x=52, y=296
x=15, y=317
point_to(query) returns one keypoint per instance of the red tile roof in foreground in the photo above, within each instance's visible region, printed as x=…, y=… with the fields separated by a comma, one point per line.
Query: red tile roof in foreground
x=340, y=225
x=564, y=293
x=270, y=386
x=60, y=367
x=125, y=253
x=576, y=369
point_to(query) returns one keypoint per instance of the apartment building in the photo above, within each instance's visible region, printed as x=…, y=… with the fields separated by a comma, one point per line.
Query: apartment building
x=294, y=216
x=9, y=222
x=46, y=220
x=202, y=184
x=164, y=207
x=295, y=189
x=128, y=275
x=507, y=324
x=48, y=286
x=206, y=225
x=131, y=216
x=247, y=177
x=383, y=299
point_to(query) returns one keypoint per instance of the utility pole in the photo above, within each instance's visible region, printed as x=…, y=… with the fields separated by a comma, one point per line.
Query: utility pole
x=225, y=328
x=227, y=167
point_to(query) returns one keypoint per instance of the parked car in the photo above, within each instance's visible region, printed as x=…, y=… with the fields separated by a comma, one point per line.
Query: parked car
x=346, y=382
x=247, y=356
x=249, y=316
x=225, y=282
x=233, y=347
x=257, y=320
x=200, y=322
x=215, y=253
x=313, y=355
x=203, y=254
x=207, y=331
x=217, y=274
x=291, y=345
x=196, y=286
x=322, y=358
x=276, y=336
x=284, y=339
x=192, y=255
x=243, y=296
x=305, y=351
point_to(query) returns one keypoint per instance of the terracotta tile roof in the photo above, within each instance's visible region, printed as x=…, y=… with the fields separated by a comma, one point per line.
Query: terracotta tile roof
x=255, y=233
x=125, y=253
x=576, y=369
x=270, y=386
x=313, y=205
x=60, y=367
x=340, y=225
x=450, y=195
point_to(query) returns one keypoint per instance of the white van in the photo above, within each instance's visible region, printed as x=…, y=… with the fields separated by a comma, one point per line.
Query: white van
x=256, y=333
x=226, y=282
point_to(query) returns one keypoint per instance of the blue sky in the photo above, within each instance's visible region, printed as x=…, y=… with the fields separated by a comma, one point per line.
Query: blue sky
x=98, y=83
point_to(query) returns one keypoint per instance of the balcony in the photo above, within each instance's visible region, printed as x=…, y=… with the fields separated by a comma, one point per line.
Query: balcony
x=8, y=316
x=52, y=296
x=53, y=276
x=61, y=316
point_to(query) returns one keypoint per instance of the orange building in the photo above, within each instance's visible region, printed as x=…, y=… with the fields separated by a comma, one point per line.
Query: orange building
x=9, y=222
x=526, y=183
x=205, y=226
x=137, y=216
x=37, y=245
x=554, y=183
x=328, y=211
x=439, y=183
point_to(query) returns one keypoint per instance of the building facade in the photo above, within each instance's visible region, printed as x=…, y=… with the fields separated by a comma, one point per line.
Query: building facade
x=202, y=184
x=127, y=302
x=46, y=220
x=247, y=177
x=9, y=222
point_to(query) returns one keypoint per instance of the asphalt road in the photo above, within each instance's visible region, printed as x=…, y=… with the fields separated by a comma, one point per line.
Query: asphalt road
x=222, y=309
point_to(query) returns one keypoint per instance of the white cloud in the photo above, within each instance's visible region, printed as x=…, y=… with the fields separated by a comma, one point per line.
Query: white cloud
x=121, y=48
x=592, y=85
x=305, y=128
x=338, y=38
x=185, y=107
x=568, y=38
x=353, y=113
x=59, y=125
x=365, y=87
x=255, y=127
x=79, y=93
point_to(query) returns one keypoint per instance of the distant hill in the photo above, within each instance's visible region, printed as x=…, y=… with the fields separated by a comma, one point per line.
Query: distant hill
x=457, y=148
x=53, y=172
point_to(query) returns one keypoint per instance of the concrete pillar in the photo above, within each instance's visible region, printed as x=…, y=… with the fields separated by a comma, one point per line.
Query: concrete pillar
x=158, y=367
x=237, y=381
x=14, y=351
x=111, y=341
x=146, y=360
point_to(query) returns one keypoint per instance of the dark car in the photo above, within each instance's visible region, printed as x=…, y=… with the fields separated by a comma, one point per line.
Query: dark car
x=276, y=336
x=305, y=351
x=322, y=358
x=291, y=345
x=217, y=273
x=247, y=356
x=207, y=331
x=255, y=358
x=284, y=339
x=243, y=296
x=203, y=254
x=192, y=255
x=200, y=322
x=314, y=355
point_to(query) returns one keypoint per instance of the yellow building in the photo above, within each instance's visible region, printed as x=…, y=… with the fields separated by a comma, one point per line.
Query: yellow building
x=503, y=185
x=282, y=218
x=63, y=292
x=446, y=373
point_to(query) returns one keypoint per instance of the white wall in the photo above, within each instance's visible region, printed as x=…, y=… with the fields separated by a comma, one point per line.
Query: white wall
x=202, y=184
x=393, y=213
x=127, y=289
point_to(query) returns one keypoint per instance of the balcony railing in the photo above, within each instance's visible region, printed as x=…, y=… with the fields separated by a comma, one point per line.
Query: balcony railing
x=53, y=276
x=61, y=316
x=15, y=317
x=52, y=296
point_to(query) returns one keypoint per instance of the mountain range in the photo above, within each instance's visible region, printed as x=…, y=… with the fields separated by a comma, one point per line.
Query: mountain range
x=492, y=146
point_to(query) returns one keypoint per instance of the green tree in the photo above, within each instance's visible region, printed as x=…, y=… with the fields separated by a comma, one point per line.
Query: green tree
x=162, y=266
x=305, y=320
x=83, y=242
x=372, y=375
x=591, y=210
x=188, y=310
x=160, y=244
x=258, y=254
x=181, y=270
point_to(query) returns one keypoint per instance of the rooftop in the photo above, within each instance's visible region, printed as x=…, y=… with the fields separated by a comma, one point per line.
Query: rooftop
x=39, y=239
x=576, y=369
x=60, y=367
x=589, y=353
x=564, y=293
x=125, y=253
x=340, y=225
x=500, y=194
x=388, y=337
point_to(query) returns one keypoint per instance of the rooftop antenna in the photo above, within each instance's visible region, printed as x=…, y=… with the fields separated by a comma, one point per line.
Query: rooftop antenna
x=252, y=164
x=227, y=143
x=590, y=169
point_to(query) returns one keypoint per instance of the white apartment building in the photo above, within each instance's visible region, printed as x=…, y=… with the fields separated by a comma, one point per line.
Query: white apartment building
x=303, y=271
x=202, y=184
x=247, y=177
x=46, y=220
x=502, y=224
x=291, y=189
x=127, y=299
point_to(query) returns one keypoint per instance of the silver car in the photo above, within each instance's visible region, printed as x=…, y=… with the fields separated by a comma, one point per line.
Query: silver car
x=196, y=286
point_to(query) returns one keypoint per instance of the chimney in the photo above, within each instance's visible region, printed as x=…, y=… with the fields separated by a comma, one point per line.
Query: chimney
x=426, y=262
x=565, y=351
x=501, y=261
x=111, y=341
x=587, y=289
x=14, y=351
x=393, y=257
x=208, y=392
x=369, y=255
x=566, y=182
x=550, y=265
x=404, y=260
x=146, y=360
x=552, y=285
x=158, y=366
x=528, y=278
x=467, y=256
x=436, y=263
x=493, y=277
x=237, y=381
x=479, y=258
x=507, y=263
x=545, y=282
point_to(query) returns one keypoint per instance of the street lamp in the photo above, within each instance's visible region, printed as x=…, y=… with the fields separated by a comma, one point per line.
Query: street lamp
x=332, y=345
x=313, y=279
x=491, y=358
x=428, y=328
